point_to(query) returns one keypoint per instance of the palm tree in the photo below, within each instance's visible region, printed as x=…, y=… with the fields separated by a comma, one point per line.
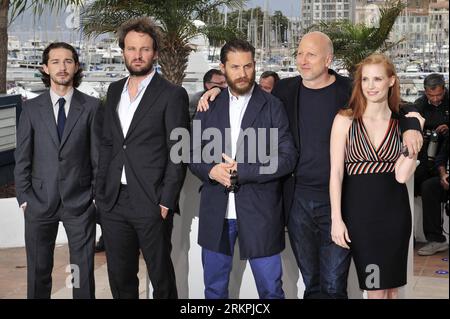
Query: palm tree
x=279, y=25
x=17, y=7
x=174, y=17
x=354, y=42
x=217, y=34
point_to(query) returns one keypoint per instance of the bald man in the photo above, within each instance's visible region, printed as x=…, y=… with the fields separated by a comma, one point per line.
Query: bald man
x=312, y=101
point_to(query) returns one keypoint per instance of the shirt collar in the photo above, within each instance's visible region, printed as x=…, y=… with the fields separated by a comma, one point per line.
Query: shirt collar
x=143, y=84
x=244, y=97
x=55, y=97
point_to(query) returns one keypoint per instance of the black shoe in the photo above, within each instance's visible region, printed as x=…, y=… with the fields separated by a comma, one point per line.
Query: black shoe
x=100, y=245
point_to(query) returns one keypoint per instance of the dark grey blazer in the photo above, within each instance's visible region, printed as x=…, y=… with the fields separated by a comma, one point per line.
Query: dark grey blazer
x=48, y=171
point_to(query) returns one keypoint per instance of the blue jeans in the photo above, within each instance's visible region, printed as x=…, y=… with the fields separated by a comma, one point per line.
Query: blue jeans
x=323, y=264
x=217, y=267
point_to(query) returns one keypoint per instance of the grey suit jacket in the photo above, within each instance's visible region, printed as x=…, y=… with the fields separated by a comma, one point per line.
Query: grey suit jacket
x=49, y=171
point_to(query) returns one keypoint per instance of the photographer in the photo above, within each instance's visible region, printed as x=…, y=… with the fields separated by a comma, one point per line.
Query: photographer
x=433, y=106
x=435, y=191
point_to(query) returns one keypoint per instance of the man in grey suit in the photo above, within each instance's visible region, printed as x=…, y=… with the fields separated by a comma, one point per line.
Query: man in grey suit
x=56, y=161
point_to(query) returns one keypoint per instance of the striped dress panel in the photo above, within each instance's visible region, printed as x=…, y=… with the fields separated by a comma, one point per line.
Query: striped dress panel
x=361, y=157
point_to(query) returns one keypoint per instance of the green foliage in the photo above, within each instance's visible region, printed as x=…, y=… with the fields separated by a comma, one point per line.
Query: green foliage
x=10, y=10
x=280, y=21
x=354, y=42
x=174, y=16
x=175, y=19
x=217, y=35
x=241, y=19
x=19, y=6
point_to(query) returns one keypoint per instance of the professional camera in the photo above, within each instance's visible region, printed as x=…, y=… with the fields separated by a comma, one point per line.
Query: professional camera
x=431, y=139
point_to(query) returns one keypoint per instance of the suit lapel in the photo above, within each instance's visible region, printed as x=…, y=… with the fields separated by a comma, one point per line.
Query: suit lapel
x=151, y=94
x=256, y=103
x=48, y=117
x=223, y=116
x=75, y=111
x=254, y=106
x=114, y=104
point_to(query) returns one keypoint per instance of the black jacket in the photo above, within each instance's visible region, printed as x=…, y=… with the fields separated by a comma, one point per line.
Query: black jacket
x=152, y=177
x=434, y=116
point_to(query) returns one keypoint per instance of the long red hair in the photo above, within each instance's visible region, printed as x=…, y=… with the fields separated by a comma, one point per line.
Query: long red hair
x=358, y=102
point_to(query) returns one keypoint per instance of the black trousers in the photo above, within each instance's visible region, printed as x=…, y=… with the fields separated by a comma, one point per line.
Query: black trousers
x=125, y=233
x=432, y=196
x=423, y=172
x=40, y=237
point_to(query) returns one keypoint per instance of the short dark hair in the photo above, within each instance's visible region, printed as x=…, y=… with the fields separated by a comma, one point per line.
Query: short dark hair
x=141, y=25
x=236, y=45
x=434, y=80
x=45, y=56
x=273, y=74
x=208, y=76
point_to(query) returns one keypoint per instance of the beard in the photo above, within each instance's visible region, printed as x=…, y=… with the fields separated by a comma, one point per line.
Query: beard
x=241, y=90
x=139, y=71
x=65, y=81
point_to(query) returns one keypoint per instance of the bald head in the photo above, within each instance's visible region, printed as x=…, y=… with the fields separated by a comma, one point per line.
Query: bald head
x=320, y=39
x=314, y=57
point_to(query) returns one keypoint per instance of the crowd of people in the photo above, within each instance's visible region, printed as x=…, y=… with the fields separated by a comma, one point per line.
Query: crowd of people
x=78, y=161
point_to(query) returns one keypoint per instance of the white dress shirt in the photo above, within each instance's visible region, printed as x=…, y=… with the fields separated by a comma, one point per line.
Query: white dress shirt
x=238, y=105
x=55, y=98
x=128, y=107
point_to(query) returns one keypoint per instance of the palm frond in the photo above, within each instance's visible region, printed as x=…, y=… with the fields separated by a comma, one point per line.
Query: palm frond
x=18, y=7
x=174, y=17
x=354, y=42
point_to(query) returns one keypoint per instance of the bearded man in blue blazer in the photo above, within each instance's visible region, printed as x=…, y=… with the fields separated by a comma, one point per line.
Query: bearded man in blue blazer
x=241, y=196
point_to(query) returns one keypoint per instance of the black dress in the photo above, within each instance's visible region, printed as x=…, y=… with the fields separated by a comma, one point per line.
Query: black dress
x=375, y=208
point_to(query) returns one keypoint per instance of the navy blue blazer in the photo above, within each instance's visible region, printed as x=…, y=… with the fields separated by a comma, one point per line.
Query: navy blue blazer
x=259, y=205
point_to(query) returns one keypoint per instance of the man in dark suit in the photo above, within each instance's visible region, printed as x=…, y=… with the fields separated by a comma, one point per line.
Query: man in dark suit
x=242, y=198
x=56, y=161
x=212, y=78
x=138, y=183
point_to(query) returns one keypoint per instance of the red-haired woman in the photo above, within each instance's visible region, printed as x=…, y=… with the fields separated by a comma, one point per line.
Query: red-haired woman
x=369, y=201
